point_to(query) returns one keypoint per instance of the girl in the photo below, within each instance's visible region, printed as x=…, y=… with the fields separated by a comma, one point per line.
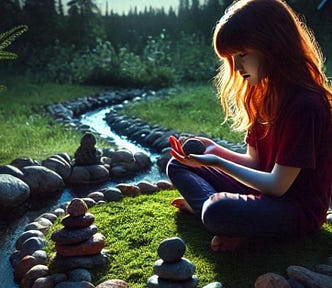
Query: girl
x=271, y=84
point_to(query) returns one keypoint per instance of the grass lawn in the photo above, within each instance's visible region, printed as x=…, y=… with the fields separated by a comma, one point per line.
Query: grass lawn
x=26, y=129
x=193, y=108
x=134, y=227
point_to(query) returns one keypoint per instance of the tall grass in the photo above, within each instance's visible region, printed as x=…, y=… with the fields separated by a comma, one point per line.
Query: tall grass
x=26, y=130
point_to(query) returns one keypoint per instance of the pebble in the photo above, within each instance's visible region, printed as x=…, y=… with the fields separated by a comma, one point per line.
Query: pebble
x=309, y=278
x=129, y=189
x=79, y=274
x=36, y=226
x=59, y=212
x=176, y=271
x=50, y=216
x=164, y=185
x=213, y=285
x=96, y=196
x=26, y=235
x=78, y=221
x=113, y=283
x=180, y=270
x=43, y=282
x=77, y=207
x=23, y=266
x=156, y=282
x=32, y=244
x=147, y=188
x=329, y=218
x=91, y=246
x=323, y=268
x=41, y=256
x=67, y=236
x=89, y=201
x=33, y=274
x=171, y=249
x=63, y=263
x=112, y=194
x=193, y=146
x=271, y=280
x=70, y=284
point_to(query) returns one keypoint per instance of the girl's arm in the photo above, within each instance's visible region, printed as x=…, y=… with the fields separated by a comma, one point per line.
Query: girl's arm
x=249, y=159
x=274, y=183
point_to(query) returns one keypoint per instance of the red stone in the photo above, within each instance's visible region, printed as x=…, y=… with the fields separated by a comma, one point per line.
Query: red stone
x=77, y=207
x=78, y=221
x=271, y=280
x=24, y=266
x=92, y=246
x=113, y=283
x=129, y=190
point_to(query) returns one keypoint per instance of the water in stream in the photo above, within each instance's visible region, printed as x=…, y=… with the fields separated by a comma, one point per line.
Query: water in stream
x=95, y=120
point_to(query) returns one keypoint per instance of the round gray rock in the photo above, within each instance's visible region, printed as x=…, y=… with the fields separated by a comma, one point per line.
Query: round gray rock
x=13, y=192
x=171, y=249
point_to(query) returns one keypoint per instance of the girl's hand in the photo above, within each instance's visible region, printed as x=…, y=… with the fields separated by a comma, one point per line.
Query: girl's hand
x=176, y=145
x=195, y=160
x=192, y=160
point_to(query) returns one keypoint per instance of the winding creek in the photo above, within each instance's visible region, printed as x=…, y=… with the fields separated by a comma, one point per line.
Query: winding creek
x=95, y=120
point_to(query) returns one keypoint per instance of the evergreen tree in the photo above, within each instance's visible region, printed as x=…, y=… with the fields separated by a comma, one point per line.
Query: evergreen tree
x=10, y=14
x=40, y=16
x=85, y=23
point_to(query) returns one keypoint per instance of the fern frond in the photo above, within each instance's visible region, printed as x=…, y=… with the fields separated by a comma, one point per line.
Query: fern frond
x=6, y=38
x=4, y=55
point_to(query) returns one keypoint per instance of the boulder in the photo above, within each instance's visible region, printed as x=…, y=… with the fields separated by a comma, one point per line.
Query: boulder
x=309, y=278
x=13, y=192
x=42, y=181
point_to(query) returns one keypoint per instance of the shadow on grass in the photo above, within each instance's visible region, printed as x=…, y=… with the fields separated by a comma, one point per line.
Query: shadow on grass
x=241, y=268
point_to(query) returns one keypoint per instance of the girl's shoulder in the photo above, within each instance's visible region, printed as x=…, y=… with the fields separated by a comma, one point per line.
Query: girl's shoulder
x=304, y=98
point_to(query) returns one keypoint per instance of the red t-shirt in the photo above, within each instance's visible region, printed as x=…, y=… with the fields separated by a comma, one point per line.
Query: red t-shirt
x=302, y=138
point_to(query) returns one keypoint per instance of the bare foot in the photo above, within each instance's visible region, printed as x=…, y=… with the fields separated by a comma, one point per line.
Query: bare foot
x=222, y=243
x=182, y=205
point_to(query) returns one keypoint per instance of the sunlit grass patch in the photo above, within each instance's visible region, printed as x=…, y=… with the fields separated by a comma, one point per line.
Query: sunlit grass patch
x=134, y=227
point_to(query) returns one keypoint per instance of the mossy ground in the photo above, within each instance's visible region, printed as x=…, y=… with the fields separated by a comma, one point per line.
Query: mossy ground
x=134, y=227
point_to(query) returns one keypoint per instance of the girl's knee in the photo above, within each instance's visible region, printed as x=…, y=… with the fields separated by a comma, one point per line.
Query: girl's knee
x=213, y=208
x=219, y=210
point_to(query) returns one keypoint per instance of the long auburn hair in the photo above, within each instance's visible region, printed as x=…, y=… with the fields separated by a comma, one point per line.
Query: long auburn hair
x=292, y=58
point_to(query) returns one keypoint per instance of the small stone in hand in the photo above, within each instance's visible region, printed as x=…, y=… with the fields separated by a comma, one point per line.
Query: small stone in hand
x=193, y=146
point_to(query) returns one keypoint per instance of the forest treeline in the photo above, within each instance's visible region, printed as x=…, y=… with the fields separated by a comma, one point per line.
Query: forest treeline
x=78, y=43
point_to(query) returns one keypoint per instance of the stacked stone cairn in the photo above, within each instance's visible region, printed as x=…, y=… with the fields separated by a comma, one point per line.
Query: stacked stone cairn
x=78, y=237
x=172, y=270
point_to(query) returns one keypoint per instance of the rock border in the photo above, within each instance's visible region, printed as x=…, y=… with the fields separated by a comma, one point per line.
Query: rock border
x=29, y=259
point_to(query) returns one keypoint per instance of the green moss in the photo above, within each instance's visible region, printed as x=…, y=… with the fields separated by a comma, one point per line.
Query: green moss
x=134, y=227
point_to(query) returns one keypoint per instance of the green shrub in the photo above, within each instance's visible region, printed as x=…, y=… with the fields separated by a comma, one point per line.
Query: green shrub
x=161, y=63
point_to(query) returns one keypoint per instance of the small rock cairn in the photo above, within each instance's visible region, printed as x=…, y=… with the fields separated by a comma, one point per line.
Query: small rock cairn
x=173, y=270
x=78, y=237
x=87, y=153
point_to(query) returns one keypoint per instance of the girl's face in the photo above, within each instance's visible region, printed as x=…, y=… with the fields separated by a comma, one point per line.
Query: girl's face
x=249, y=64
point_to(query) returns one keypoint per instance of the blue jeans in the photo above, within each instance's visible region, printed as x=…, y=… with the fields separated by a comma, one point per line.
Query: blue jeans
x=228, y=208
